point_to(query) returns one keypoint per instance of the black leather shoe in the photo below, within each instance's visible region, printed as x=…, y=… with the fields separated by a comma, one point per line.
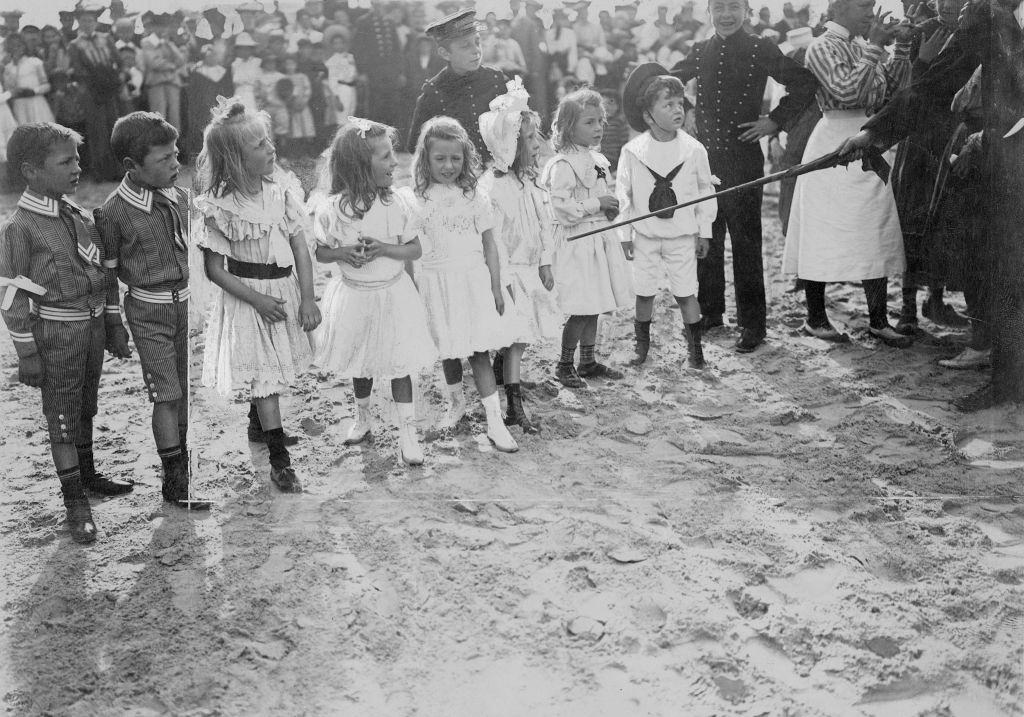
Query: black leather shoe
x=80, y=521
x=712, y=321
x=567, y=376
x=285, y=479
x=827, y=332
x=889, y=336
x=107, y=486
x=983, y=398
x=598, y=370
x=749, y=340
x=256, y=436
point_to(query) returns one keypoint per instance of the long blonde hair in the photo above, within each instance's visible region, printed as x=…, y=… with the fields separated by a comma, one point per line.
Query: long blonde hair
x=347, y=174
x=445, y=128
x=221, y=166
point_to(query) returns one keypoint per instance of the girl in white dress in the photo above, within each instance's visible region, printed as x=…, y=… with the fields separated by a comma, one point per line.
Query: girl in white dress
x=591, y=274
x=522, y=233
x=253, y=237
x=374, y=323
x=460, y=278
x=25, y=78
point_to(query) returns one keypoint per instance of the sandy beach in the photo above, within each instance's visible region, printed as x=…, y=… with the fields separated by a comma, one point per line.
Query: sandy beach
x=810, y=529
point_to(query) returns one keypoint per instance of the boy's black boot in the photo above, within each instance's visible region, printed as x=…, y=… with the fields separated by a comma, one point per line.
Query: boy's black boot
x=79, y=514
x=642, y=334
x=694, y=350
x=516, y=413
x=95, y=482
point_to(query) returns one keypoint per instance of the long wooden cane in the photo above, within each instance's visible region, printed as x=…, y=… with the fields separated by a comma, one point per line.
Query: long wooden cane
x=871, y=162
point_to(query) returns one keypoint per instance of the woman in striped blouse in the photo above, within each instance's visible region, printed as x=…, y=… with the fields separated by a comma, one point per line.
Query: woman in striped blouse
x=844, y=225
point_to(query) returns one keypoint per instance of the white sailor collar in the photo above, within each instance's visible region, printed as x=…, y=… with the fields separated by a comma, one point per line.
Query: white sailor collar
x=44, y=206
x=587, y=164
x=142, y=198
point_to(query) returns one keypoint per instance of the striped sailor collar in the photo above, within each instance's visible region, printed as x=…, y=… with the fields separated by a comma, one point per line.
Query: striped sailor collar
x=142, y=198
x=45, y=206
x=834, y=27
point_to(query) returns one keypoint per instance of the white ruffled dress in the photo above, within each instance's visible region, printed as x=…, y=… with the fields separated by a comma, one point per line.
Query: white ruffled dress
x=374, y=324
x=245, y=355
x=523, y=233
x=591, y=274
x=453, y=277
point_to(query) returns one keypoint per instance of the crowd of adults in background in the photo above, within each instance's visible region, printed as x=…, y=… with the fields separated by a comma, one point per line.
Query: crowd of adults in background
x=312, y=69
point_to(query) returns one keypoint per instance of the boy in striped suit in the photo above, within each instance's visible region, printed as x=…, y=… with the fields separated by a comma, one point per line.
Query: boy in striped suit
x=52, y=286
x=144, y=228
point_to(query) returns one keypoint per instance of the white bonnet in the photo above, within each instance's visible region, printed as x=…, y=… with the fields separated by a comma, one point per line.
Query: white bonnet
x=500, y=127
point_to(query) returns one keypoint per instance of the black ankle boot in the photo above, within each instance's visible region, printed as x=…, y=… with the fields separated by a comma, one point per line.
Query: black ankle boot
x=694, y=350
x=79, y=514
x=95, y=482
x=176, y=479
x=281, y=473
x=516, y=414
x=907, y=325
x=642, y=334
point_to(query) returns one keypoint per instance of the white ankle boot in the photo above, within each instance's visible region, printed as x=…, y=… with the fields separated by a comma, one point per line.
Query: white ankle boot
x=408, y=444
x=496, y=430
x=360, y=430
x=456, y=406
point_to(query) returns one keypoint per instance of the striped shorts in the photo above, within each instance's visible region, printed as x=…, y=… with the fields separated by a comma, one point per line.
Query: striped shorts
x=160, y=332
x=72, y=356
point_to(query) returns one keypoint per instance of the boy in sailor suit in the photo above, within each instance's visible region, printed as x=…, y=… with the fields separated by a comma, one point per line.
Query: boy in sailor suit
x=659, y=168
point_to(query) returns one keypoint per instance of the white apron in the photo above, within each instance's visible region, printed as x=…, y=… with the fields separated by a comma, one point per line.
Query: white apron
x=843, y=225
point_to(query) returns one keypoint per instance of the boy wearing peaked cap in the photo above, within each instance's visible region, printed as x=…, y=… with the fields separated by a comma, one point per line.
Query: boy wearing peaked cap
x=144, y=228
x=659, y=168
x=464, y=89
x=52, y=300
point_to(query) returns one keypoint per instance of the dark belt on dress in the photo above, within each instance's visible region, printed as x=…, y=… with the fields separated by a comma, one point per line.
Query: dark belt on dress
x=249, y=270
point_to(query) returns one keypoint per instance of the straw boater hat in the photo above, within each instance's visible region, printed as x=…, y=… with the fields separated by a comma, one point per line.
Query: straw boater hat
x=638, y=81
x=500, y=127
x=89, y=9
x=800, y=37
x=244, y=39
x=333, y=31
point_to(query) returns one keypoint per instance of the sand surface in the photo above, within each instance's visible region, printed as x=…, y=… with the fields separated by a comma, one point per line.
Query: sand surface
x=806, y=530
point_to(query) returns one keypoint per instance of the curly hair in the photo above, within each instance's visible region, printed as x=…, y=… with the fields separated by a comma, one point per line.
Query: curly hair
x=569, y=111
x=221, y=164
x=522, y=168
x=445, y=128
x=346, y=172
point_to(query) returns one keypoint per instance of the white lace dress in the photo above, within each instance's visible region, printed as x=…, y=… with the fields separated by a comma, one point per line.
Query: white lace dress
x=246, y=356
x=523, y=233
x=591, y=274
x=374, y=324
x=453, y=277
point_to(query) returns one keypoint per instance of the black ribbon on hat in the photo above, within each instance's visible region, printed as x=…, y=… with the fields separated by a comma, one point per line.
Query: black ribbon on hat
x=663, y=196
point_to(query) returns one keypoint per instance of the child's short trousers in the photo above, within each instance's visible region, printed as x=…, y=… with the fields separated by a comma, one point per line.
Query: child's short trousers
x=72, y=356
x=677, y=256
x=160, y=332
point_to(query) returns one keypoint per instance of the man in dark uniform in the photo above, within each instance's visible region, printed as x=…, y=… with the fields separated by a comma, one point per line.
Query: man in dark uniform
x=990, y=34
x=463, y=90
x=732, y=68
x=376, y=48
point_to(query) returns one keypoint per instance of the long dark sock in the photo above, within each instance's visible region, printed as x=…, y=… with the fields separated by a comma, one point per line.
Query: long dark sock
x=875, y=291
x=168, y=457
x=254, y=417
x=71, y=484
x=183, y=438
x=586, y=354
x=568, y=354
x=279, y=457
x=814, y=292
x=86, y=463
x=909, y=302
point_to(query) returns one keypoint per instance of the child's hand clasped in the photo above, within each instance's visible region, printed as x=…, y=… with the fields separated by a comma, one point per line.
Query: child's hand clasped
x=309, y=315
x=352, y=255
x=702, y=247
x=269, y=308
x=373, y=248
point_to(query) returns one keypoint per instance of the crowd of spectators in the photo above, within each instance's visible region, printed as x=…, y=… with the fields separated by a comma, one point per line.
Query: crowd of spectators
x=313, y=68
